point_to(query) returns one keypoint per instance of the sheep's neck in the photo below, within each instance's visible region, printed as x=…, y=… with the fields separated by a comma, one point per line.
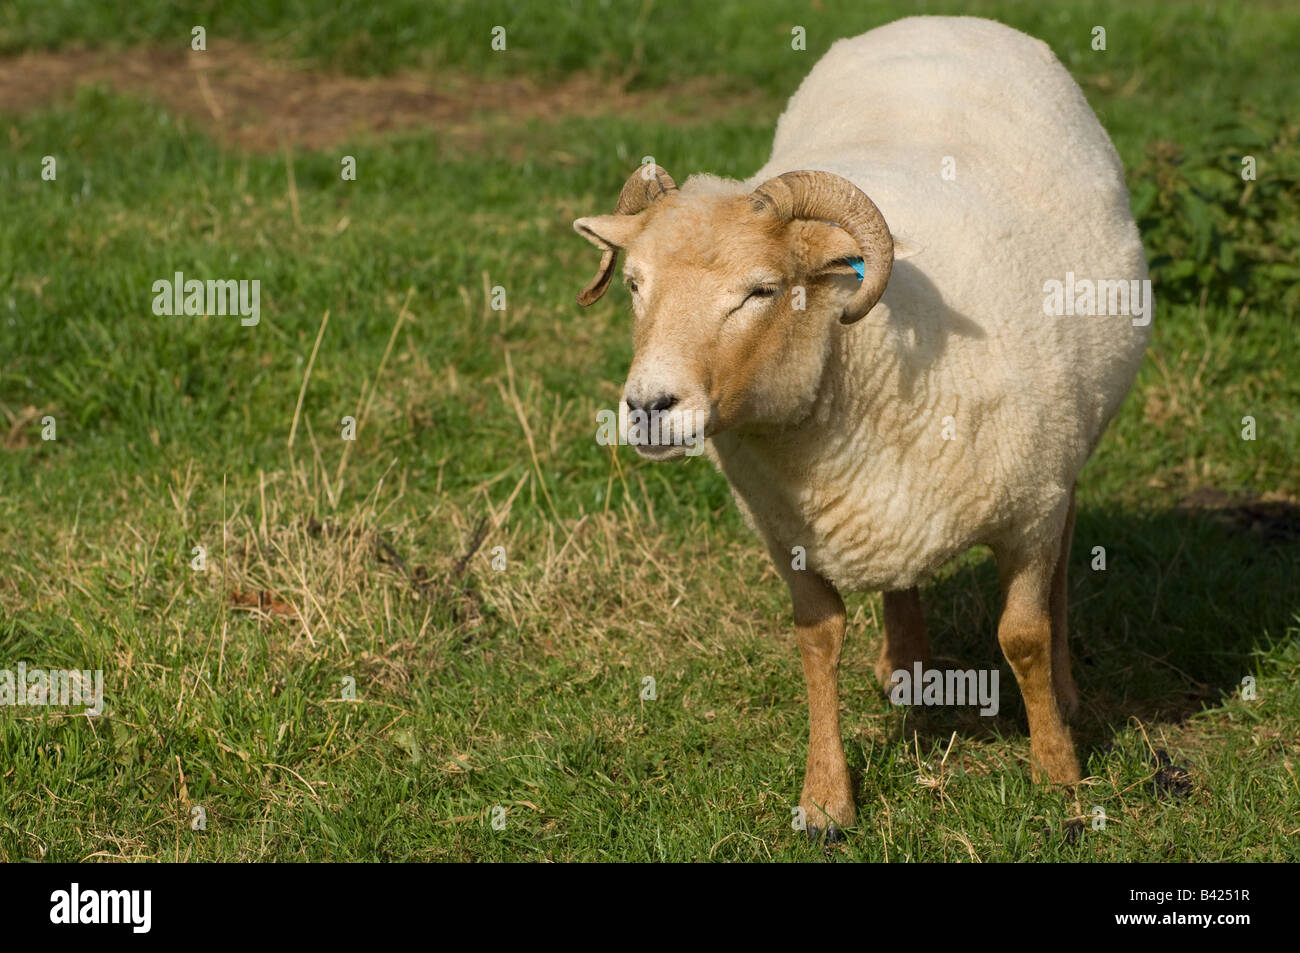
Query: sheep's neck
x=787, y=478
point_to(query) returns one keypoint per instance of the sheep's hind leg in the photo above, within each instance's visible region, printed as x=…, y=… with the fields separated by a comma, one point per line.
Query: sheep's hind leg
x=819, y=619
x=905, y=640
x=1025, y=634
x=1067, y=695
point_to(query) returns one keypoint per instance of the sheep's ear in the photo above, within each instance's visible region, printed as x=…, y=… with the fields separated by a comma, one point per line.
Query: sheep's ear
x=609, y=232
x=822, y=248
x=826, y=249
x=902, y=249
x=905, y=248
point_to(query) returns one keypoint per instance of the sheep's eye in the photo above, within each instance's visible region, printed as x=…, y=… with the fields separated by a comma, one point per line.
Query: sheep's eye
x=762, y=291
x=631, y=285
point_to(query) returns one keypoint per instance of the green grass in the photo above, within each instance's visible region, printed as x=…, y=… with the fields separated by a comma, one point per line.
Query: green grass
x=520, y=688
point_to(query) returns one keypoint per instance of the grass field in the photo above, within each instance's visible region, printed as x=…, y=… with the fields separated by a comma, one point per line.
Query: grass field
x=479, y=688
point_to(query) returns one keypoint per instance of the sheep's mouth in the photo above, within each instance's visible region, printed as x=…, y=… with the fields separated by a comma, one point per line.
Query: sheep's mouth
x=659, y=452
x=666, y=435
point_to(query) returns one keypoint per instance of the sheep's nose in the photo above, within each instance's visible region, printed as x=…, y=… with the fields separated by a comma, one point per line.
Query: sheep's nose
x=655, y=405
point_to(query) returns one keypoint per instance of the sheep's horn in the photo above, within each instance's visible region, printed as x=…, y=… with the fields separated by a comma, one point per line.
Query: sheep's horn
x=823, y=195
x=643, y=187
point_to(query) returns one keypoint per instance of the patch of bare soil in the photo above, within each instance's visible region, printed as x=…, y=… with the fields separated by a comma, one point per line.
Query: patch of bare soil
x=249, y=101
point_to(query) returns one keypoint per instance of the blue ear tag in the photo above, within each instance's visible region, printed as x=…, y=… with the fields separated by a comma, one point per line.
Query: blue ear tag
x=857, y=265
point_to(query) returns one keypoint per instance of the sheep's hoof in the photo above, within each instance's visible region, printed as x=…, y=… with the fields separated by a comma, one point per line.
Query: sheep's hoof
x=833, y=834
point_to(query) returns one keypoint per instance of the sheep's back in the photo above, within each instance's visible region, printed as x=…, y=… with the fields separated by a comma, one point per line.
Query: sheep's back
x=1036, y=191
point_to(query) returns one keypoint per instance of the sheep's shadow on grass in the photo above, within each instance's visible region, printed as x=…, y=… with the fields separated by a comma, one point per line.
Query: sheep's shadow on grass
x=1166, y=629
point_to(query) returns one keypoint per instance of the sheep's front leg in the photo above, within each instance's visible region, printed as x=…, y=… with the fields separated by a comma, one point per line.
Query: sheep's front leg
x=1025, y=634
x=905, y=641
x=819, y=620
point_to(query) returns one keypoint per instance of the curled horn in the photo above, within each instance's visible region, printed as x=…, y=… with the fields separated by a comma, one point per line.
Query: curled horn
x=823, y=195
x=643, y=187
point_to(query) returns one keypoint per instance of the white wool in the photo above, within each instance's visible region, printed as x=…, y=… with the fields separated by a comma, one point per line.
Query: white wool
x=869, y=486
x=704, y=183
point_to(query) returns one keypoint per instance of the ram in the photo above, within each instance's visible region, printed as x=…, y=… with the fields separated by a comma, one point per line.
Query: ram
x=862, y=337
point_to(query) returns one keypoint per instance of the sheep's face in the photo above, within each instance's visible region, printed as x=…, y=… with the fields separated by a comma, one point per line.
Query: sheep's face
x=734, y=316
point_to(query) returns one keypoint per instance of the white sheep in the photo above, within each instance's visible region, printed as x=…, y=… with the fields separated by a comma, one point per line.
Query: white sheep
x=958, y=412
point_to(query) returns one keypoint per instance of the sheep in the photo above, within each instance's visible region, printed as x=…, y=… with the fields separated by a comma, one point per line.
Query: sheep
x=860, y=334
